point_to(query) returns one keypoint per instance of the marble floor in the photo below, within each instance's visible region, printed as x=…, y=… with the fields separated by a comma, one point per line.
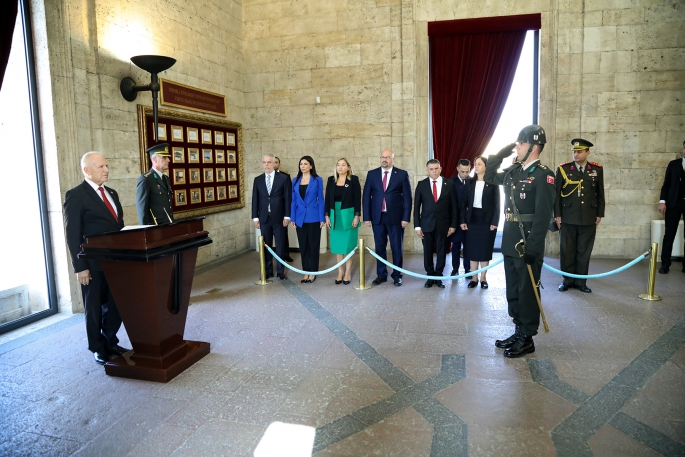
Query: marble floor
x=389, y=371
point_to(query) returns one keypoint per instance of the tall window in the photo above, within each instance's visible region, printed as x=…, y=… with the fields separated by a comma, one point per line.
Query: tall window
x=27, y=287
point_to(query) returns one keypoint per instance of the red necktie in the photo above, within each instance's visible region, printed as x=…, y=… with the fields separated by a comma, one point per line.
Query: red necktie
x=385, y=185
x=435, y=192
x=107, y=203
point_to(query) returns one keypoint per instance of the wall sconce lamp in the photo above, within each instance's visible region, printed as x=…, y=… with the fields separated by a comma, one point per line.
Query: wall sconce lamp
x=153, y=65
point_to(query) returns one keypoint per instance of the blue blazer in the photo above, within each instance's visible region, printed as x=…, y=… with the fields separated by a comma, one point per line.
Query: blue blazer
x=311, y=209
x=397, y=196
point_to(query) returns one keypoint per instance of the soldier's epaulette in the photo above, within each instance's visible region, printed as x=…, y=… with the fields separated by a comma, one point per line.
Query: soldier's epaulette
x=565, y=163
x=147, y=174
x=596, y=164
x=543, y=167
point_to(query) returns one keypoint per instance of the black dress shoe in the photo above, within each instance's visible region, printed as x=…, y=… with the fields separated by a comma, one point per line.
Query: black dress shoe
x=473, y=284
x=563, y=287
x=287, y=258
x=101, y=358
x=508, y=342
x=379, y=280
x=438, y=283
x=282, y=276
x=346, y=282
x=522, y=346
x=397, y=282
x=269, y=275
x=429, y=284
x=117, y=350
x=454, y=272
x=584, y=289
x=664, y=270
x=338, y=281
x=313, y=279
x=483, y=284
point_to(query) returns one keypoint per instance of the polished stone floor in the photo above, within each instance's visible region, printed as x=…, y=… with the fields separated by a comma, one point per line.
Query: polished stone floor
x=389, y=371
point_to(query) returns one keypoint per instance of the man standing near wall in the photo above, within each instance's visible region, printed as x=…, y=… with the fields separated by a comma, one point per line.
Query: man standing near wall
x=672, y=206
x=460, y=180
x=529, y=203
x=153, y=189
x=578, y=210
x=91, y=208
x=387, y=208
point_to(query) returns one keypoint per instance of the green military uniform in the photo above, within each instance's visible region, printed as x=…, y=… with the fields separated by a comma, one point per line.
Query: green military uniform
x=154, y=195
x=579, y=202
x=532, y=190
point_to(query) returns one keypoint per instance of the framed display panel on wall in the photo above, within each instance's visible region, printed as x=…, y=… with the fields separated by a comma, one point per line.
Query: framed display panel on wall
x=206, y=153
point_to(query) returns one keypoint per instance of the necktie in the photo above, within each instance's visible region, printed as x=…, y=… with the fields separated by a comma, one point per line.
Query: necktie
x=580, y=169
x=435, y=191
x=108, y=204
x=165, y=178
x=268, y=189
x=385, y=185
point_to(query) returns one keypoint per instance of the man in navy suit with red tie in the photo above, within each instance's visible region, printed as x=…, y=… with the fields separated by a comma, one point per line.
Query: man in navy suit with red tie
x=89, y=209
x=387, y=209
x=461, y=181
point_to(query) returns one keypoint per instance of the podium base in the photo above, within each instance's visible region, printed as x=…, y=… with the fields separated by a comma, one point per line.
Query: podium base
x=124, y=367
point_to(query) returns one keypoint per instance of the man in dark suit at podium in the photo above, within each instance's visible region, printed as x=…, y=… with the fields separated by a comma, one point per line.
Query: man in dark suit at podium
x=387, y=208
x=271, y=194
x=461, y=181
x=435, y=218
x=672, y=206
x=90, y=209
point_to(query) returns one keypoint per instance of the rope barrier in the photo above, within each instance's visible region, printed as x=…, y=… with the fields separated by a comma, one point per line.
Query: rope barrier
x=599, y=275
x=417, y=275
x=311, y=273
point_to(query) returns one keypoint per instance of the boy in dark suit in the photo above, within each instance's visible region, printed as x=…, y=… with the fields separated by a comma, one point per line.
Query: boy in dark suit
x=435, y=218
x=91, y=208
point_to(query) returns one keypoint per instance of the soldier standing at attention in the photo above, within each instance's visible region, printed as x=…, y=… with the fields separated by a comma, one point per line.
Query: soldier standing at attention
x=578, y=210
x=153, y=190
x=529, y=203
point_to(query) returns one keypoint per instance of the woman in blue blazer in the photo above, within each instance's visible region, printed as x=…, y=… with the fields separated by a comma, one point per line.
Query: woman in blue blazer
x=307, y=214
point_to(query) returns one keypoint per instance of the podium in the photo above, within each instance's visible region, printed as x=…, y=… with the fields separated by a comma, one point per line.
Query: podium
x=150, y=273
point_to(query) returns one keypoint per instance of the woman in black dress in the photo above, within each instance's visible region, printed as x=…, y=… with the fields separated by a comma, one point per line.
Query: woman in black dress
x=480, y=221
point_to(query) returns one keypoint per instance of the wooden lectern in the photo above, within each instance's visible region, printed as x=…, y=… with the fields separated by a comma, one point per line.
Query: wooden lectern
x=150, y=273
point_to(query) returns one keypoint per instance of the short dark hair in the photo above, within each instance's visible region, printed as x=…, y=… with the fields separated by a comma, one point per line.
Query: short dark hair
x=432, y=161
x=464, y=162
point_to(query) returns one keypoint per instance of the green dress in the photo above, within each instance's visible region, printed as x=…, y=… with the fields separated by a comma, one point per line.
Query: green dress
x=343, y=236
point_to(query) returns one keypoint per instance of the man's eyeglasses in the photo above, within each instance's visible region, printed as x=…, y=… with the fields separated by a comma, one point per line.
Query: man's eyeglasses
x=386, y=158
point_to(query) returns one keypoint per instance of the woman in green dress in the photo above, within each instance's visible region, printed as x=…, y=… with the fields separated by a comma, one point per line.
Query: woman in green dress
x=343, y=209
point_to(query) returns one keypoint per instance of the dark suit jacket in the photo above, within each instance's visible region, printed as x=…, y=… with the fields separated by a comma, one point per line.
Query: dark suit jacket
x=309, y=209
x=154, y=197
x=431, y=215
x=279, y=198
x=397, y=196
x=669, y=191
x=86, y=214
x=490, y=203
x=461, y=195
x=352, y=196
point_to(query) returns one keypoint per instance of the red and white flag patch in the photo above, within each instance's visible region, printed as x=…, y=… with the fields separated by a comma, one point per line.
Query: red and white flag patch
x=550, y=179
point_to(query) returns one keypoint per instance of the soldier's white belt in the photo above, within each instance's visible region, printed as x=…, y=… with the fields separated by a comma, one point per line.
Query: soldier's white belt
x=511, y=217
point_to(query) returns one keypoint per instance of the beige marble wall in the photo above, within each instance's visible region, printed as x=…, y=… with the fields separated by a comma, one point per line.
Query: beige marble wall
x=83, y=49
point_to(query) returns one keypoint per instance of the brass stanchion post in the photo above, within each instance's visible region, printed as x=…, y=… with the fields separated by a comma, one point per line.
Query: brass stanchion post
x=362, y=271
x=262, y=264
x=652, y=276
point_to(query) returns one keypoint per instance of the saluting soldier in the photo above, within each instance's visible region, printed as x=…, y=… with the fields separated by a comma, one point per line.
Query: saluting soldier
x=529, y=192
x=153, y=190
x=578, y=210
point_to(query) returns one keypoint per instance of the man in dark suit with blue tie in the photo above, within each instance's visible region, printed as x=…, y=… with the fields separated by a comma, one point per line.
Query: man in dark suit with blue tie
x=435, y=218
x=461, y=183
x=89, y=209
x=271, y=193
x=387, y=209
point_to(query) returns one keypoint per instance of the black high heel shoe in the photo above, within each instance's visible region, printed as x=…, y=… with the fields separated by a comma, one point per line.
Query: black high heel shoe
x=483, y=284
x=311, y=280
x=473, y=284
x=338, y=281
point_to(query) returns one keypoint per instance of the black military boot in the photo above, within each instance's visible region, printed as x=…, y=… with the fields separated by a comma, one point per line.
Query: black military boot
x=522, y=346
x=509, y=341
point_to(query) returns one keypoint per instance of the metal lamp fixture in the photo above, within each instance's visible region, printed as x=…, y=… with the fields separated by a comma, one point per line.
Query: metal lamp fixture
x=153, y=65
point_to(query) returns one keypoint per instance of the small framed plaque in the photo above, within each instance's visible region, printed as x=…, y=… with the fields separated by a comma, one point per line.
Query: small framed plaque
x=177, y=133
x=195, y=196
x=161, y=132
x=232, y=174
x=220, y=156
x=232, y=191
x=231, y=157
x=230, y=139
x=221, y=193
x=208, y=174
x=209, y=194
x=220, y=174
x=194, y=175
x=180, y=176
x=192, y=135
x=193, y=155
x=207, y=156
x=219, y=138
x=206, y=136
x=179, y=155
x=180, y=197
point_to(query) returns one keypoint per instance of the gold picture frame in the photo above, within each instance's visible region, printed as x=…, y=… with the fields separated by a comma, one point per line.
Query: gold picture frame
x=230, y=139
x=193, y=155
x=209, y=194
x=232, y=174
x=220, y=174
x=220, y=155
x=180, y=197
x=194, y=176
x=232, y=192
x=206, y=136
x=179, y=176
x=218, y=137
x=208, y=174
x=207, y=156
x=192, y=135
x=177, y=133
x=195, y=195
x=221, y=192
x=161, y=132
x=178, y=155
x=232, y=157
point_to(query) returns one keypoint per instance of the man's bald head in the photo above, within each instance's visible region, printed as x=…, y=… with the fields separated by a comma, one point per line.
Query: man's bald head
x=94, y=167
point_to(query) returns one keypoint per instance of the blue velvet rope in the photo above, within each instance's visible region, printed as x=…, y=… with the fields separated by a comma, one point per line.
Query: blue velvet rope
x=311, y=273
x=599, y=275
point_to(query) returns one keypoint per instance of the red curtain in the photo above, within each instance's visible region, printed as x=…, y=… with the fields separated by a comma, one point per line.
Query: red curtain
x=8, y=16
x=471, y=71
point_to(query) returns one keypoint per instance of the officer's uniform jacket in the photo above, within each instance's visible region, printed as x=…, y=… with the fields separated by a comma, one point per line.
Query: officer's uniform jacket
x=153, y=199
x=580, y=197
x=533, y=192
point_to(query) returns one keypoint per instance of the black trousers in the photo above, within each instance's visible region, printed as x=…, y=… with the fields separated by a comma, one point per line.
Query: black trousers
x=271, y=229
x=437, y=239
x=102, y=316
x=457, y=240
x=381, y=234
x=523, y=307
x=672, y=218
x=575, y=247
x=309, y=239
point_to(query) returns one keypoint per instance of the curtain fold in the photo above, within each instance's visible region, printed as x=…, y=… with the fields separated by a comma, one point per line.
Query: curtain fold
x=8, y=17
x=470, y=77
